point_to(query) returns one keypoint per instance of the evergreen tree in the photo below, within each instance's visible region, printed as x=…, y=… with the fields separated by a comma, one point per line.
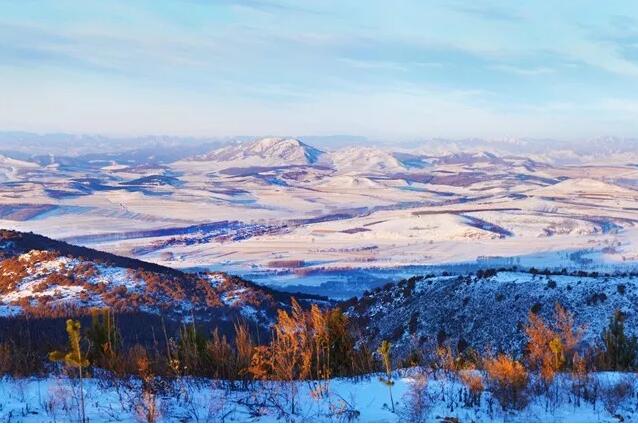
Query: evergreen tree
x=192, y=349
x=104, y=339
x=620, y=350
x=341, y=345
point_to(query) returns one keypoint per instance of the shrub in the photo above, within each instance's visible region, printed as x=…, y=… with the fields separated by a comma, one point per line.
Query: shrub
x=614, y=395
x=508, y=381
x=536, y=308
x=550, y=350
x=544, y=347
x=473, y=382
x=416, y=401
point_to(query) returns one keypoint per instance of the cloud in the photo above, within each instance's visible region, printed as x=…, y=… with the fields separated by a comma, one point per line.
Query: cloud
x=488, y=12
x=524, y=71
x=250, y=66
x=373, y=64
x=265, y=6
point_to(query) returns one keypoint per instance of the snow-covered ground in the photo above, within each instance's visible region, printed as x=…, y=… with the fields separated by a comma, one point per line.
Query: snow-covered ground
x=339, y=400
x=353, y=208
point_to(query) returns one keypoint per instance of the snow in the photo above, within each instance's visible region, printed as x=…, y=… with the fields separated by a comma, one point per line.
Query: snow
x=364, y=159
x=232, y=297
x=365, y=399
x=258, y=153
x=38, y=272
x=587, y=187
x=351, y=209
x=9, y=310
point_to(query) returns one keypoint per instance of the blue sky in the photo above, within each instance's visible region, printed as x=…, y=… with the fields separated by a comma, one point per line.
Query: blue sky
x=382, y=69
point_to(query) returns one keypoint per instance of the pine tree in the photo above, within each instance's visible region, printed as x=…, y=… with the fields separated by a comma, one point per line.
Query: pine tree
x=341, y=344
x=192, y=348
x=104, y=339
x=620, y=350
x=73, y=358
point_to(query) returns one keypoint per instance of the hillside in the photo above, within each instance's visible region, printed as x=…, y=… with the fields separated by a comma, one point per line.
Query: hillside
x=488, y=310
x=365, y=160
x=42, y=277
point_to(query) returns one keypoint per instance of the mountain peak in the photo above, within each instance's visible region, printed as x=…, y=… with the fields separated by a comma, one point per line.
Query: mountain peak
x=365, y=158
x=270, y=151
x=285, y=148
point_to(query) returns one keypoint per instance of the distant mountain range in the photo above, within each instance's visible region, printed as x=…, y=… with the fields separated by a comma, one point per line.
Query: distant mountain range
x=278, y=152
x=251, y=206
x=165, y=149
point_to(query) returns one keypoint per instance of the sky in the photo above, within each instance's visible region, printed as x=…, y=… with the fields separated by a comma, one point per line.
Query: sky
x=382, y=69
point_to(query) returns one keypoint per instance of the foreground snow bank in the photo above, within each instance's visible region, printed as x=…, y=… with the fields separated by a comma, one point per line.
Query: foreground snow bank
x=366, y=400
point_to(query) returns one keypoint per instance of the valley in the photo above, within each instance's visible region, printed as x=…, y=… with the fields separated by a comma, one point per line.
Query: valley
x=285, y=213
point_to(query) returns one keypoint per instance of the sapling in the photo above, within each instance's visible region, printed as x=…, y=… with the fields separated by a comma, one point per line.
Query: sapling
x=384, y=351
x=73, y=358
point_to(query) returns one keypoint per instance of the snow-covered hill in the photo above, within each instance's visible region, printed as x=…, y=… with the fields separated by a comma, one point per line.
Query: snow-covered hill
x=44, y=277
x=489, y=310
x=11, y=169
x=263, y=152
x=253, y=202
x=364, y=159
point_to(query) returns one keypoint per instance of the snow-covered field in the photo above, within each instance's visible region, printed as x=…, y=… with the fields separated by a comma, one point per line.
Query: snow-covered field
x=339, y=400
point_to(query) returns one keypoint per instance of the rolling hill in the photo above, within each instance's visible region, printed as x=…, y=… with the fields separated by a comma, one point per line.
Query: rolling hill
x=41, y=277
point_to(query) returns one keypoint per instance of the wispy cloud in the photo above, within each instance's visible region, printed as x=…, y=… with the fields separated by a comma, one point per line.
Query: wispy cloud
x=269, y=6
x=488, y=11
x=524, y=71
x=297, y=67
x=373, y=64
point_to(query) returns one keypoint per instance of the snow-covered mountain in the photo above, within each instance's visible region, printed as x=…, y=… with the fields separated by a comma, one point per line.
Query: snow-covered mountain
x=283, y=152
x=264, y=152
x=168, y=149
x=609, y=149
x=364, y=159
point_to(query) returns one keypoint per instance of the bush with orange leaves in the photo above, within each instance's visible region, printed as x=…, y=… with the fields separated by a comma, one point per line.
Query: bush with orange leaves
x=314, y=344
x=508, y=381
x=552, y=350
x=146, y=406
x=473, y=382
x=289, y=355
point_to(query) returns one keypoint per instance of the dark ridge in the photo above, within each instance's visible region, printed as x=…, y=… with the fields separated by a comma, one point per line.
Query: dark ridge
x=23, y=242
x=30, y=241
